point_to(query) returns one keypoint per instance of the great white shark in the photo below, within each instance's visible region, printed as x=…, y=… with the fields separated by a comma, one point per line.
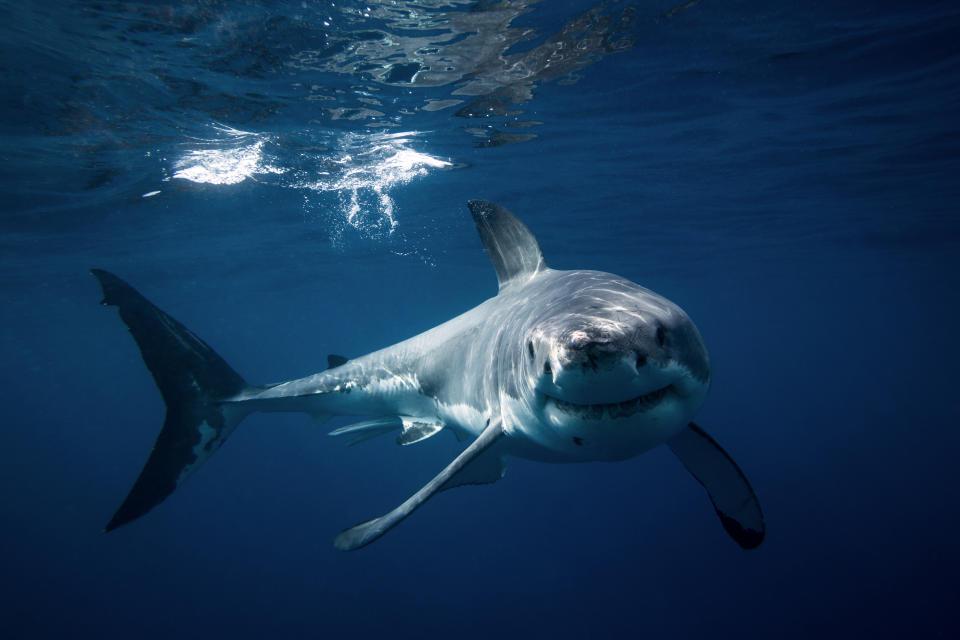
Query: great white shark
x=559, y=366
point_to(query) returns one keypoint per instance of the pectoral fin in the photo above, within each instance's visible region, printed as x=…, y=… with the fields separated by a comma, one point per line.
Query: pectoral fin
x=727, y=486
x=365, y=533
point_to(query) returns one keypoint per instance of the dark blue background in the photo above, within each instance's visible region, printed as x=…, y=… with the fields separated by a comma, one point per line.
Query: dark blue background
x=786, y=174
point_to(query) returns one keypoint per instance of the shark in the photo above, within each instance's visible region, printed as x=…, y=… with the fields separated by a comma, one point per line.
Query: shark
x=560, y=366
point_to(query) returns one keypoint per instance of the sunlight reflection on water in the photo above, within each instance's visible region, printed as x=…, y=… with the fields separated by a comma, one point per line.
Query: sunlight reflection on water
x=360, y=169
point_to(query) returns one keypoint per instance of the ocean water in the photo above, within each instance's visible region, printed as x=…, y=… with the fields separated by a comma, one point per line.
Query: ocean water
x=289, y=179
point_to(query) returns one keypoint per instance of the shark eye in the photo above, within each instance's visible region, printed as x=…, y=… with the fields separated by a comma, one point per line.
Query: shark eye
x=661, y=336
x=530, y=349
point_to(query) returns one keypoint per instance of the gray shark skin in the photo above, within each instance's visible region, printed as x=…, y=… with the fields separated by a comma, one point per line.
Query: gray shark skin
x=559, y=366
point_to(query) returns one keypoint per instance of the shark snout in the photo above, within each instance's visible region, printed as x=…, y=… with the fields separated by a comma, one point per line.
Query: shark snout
x=585, y=368
x=598, y=351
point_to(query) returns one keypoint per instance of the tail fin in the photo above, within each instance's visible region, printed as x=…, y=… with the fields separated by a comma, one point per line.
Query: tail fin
x=192, y=379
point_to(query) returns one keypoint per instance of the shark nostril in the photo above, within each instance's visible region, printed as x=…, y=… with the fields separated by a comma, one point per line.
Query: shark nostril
x=661, y=336
x=547, y=369
x=578, y=339
x=530, y=349
x=641, y=361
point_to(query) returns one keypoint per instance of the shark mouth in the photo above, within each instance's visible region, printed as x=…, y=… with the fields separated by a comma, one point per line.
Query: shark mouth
x=623, y=409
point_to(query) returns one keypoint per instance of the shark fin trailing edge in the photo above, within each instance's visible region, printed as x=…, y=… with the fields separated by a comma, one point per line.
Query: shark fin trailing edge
x=732, y=496
x=193, y=381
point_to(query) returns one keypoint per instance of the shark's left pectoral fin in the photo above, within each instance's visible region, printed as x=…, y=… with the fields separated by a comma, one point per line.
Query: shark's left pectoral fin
x=365, y=533
x=727, y=486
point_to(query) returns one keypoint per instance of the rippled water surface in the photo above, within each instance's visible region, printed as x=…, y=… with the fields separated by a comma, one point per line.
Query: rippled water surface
x=288, y=179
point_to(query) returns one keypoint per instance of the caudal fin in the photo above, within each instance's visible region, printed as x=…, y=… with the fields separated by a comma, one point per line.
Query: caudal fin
x=193, y=381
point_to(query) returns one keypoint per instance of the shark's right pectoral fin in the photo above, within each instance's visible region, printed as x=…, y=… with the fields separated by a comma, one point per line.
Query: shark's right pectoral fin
x=727, y=486
x=365, y=533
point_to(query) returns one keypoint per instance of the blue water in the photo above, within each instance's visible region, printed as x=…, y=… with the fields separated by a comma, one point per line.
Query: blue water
x=289, y=180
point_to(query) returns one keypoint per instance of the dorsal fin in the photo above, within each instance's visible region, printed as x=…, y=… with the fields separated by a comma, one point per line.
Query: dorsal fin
x=334, y=361
x=511, y=247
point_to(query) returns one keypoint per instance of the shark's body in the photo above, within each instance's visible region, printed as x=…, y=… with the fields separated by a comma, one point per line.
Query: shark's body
x=560, y=366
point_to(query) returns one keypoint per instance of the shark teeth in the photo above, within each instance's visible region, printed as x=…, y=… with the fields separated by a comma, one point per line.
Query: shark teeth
x=623, y=409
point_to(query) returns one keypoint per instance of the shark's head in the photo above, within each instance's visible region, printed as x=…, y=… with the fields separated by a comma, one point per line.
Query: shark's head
x=611, y=369
x=594, y=367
